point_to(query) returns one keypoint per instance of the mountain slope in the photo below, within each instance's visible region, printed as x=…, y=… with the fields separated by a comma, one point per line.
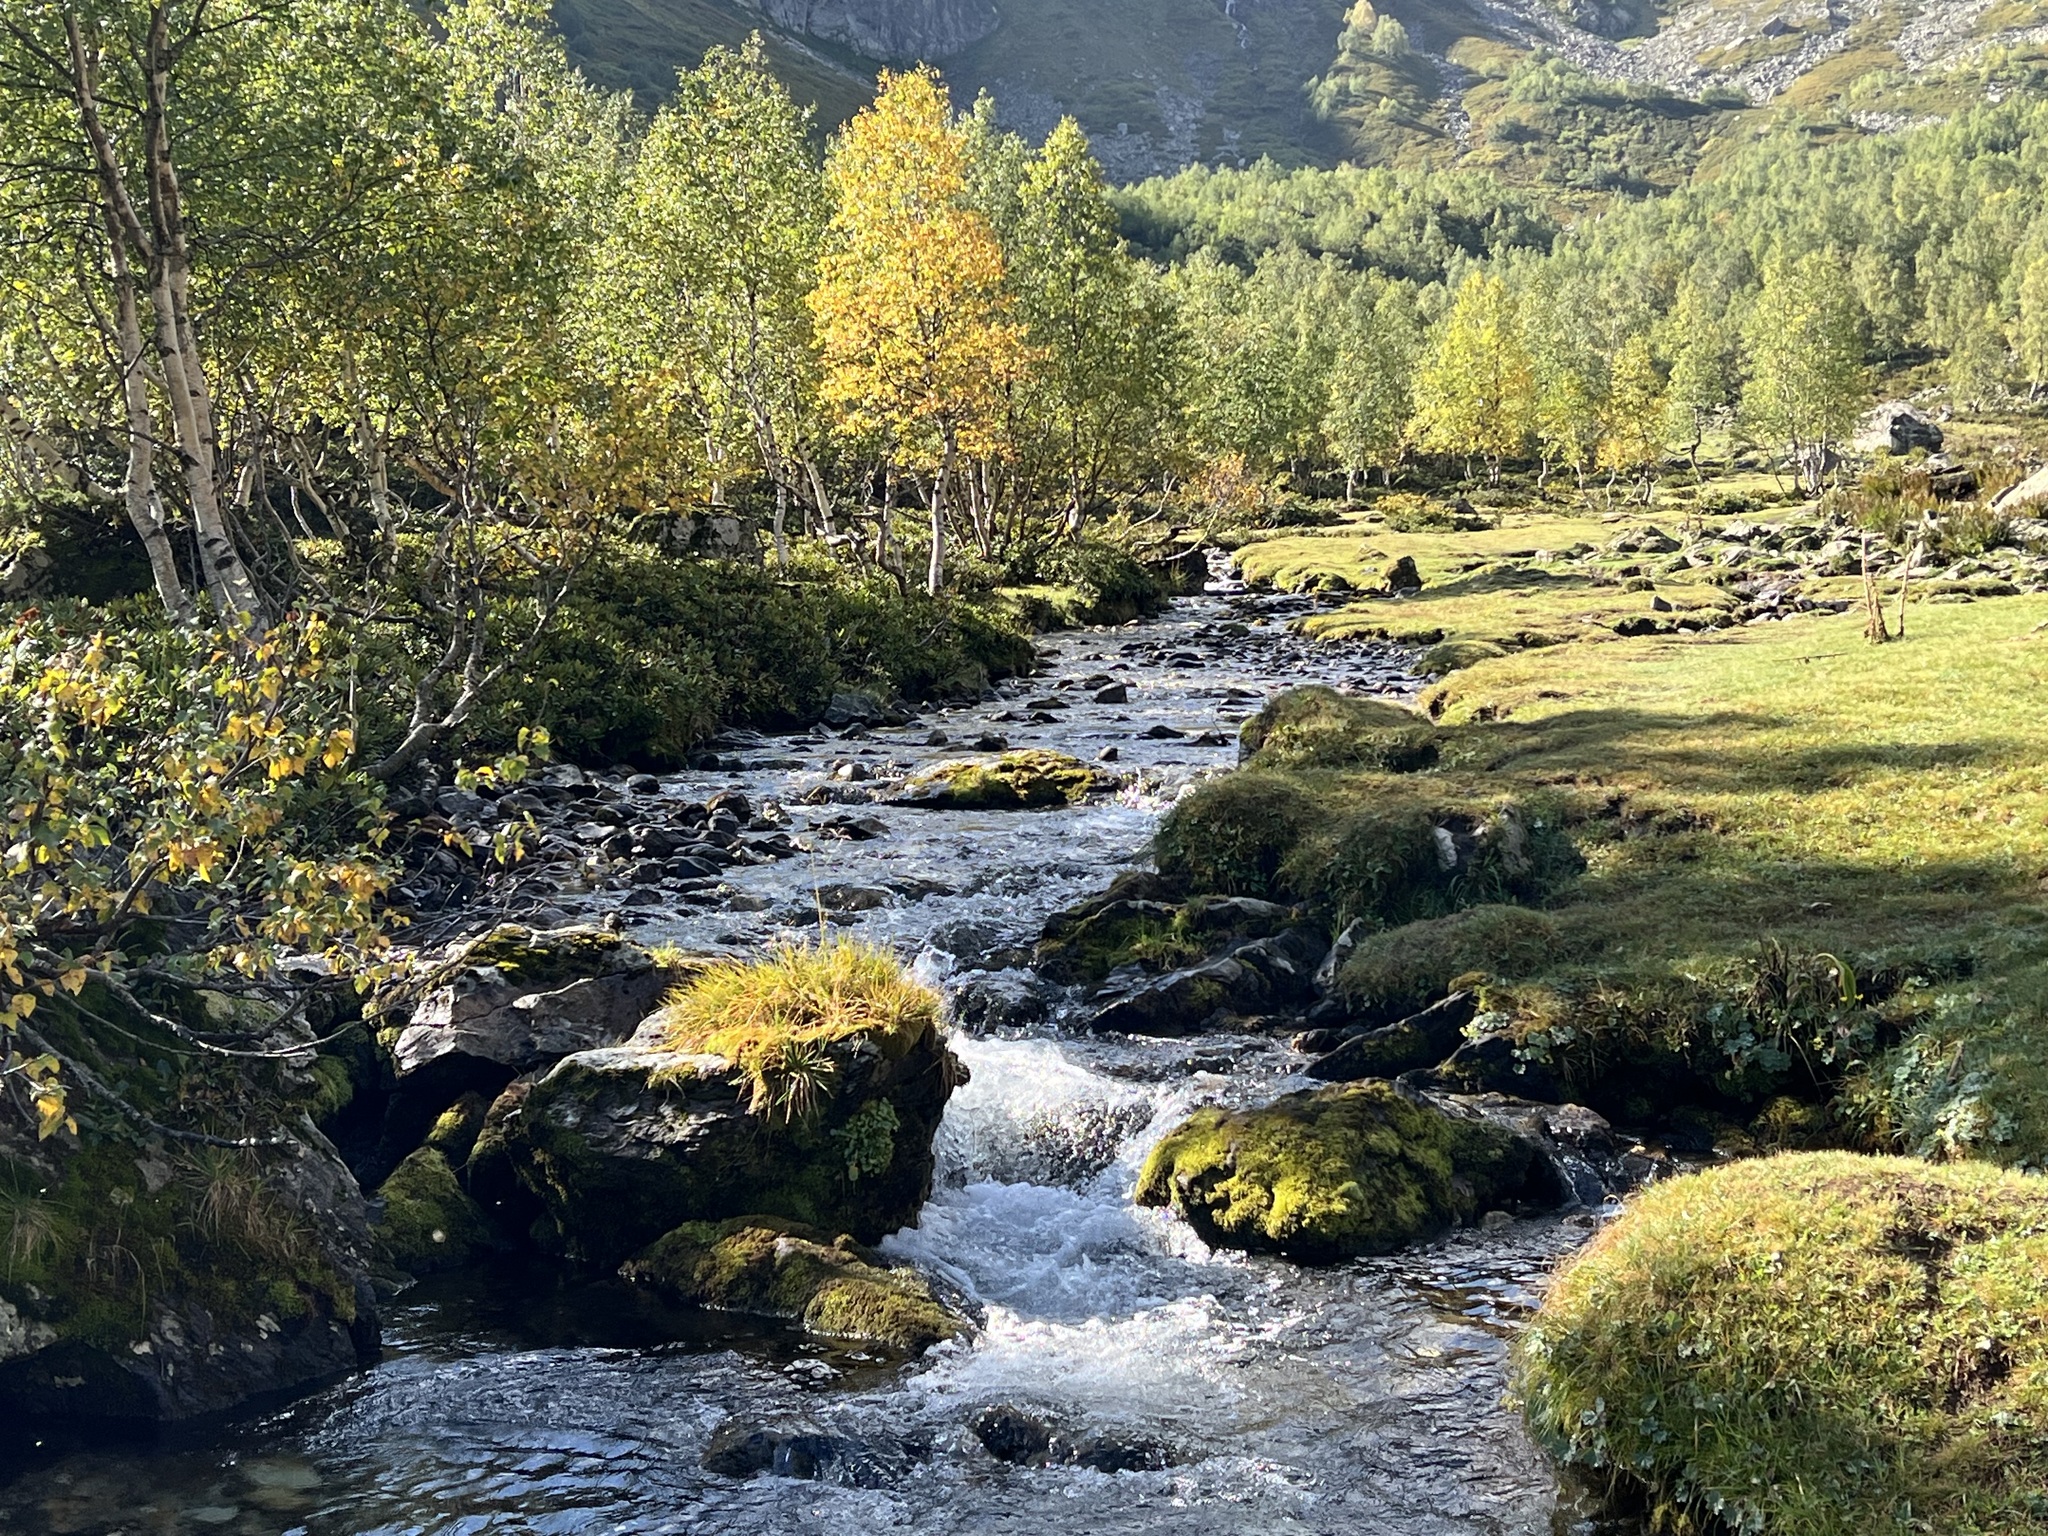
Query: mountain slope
x=1582, y=96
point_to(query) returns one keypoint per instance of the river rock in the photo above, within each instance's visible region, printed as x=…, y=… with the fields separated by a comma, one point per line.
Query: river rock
x=1422, y=1040
x=829, y=1286
x=1025, y=1439
x=1027, y=780
x=1330, y=1173
x=1896, y=427
x=511, y=1001
x=743, y=1449
x=993, y=1002
x=1262, y=976
x=1401, y=576
x=429, y=1222
x=623, y=1144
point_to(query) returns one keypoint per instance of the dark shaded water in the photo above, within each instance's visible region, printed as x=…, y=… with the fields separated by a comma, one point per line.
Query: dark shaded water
x=1364, y=1398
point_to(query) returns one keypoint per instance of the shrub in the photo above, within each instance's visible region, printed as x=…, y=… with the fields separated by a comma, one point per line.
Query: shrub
x=1409, y=512
x=652, y=653
x=1111, y=579
x=1817, y=1343
x=1231, y=834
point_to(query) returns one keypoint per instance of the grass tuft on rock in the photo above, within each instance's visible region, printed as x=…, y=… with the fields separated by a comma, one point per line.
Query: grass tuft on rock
x=776, y=1016
x=1820, y=1343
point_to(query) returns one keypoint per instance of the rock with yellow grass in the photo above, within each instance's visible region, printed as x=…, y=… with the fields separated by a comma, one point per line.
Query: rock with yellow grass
x=806, y=1085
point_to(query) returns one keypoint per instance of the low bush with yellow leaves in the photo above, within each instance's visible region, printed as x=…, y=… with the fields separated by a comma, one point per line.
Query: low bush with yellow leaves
x=188, y=795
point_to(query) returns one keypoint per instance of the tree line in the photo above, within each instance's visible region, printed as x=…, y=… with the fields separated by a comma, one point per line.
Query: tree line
x=343, y=308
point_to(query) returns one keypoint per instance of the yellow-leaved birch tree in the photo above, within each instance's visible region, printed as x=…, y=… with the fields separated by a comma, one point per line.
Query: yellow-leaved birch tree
x=913, y=323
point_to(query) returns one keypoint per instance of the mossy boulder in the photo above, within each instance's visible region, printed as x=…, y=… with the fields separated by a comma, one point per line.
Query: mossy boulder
x=1319, y=727
x=1232, y=834
x=1016, y=781
x=1455, y=655
x=511, y=1001
x=455, y=1131
x=1820, y=1343
x=1401, y=970
x=830, y=1286
x=1390, y=848
x=429, y=1222
x=1330, y=1173
x=146, y=1279
x=806, y=1086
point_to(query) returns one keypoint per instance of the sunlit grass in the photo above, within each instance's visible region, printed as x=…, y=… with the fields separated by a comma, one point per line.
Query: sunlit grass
x=777, y=1016
x=1825, y=1344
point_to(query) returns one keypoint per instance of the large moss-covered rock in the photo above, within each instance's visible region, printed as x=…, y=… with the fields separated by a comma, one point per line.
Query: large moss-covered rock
x=1016, y=781
x=807, y=1086
x=829, y=1285
x=146, y=1279
x=1329, y=1173
x=1820, y=1343
x=429, y=1222
x=1318, y=727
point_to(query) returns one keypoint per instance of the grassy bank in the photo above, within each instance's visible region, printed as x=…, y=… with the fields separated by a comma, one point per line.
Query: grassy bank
x=1791, y=881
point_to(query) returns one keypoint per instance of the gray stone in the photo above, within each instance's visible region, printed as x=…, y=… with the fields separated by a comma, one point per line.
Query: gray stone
x=1896, y=427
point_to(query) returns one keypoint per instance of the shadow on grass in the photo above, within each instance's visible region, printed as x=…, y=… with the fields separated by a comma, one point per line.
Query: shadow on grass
x=1725, y=752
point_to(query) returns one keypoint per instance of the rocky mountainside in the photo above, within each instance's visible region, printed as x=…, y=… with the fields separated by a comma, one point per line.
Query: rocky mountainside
x=1597, y=95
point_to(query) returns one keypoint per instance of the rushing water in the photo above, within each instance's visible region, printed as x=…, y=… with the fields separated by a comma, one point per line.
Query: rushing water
x=1363, y=1398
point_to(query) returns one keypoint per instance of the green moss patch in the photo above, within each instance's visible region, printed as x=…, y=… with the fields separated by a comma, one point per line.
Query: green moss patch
x=429, y=1223
x=1817, y=1343
x=1329, y=1173
x=829, y=1285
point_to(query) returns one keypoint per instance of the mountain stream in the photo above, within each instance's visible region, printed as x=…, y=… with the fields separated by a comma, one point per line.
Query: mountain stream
x=1366, y=1397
